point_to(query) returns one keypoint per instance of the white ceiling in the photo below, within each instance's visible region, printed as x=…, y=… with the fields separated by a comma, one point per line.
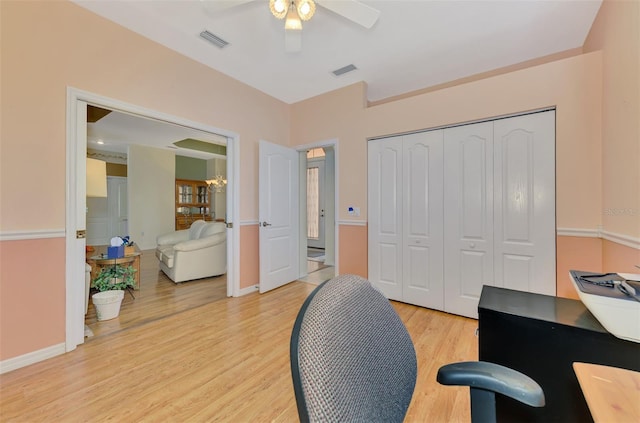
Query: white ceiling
x=116, y=131
x=415, y=44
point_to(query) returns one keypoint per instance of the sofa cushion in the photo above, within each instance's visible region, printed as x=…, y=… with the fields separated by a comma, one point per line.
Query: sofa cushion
x=196, y=228
x=161, y=250
x=167, y=257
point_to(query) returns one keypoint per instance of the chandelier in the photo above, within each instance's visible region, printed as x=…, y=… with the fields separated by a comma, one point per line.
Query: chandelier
x=216, y=184
x=293, y=11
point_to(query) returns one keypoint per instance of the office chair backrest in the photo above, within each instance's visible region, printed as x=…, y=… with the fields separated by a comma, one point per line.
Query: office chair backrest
x=351, y=356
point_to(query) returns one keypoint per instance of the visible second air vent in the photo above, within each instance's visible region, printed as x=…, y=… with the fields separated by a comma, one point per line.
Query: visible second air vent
x=214, y=39
x=344, y=70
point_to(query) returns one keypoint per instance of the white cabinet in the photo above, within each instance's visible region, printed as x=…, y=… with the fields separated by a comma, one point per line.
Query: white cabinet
x=456, y=208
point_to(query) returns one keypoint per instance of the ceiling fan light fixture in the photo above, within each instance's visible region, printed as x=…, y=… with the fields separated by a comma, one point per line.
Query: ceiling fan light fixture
x=293, y=22
x=306, y=9
x=279, y=8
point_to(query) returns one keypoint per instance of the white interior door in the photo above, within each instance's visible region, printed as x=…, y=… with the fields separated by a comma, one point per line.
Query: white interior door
x=97, y=221
x=423, y=279
x=468, y=216
x=315, y=203
x=118, y=206
x=385, y=215
x=524, y=178
x=279, y=215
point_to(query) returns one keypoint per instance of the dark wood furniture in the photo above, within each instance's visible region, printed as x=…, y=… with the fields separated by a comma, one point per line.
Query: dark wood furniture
x=193, y=202
x=542, y=336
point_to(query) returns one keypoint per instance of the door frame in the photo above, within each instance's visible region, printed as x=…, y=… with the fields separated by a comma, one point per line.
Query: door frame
x=303, y=203
x=76, y=192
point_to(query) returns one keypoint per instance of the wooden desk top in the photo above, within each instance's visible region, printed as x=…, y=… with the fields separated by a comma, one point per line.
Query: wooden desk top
x=613, y=394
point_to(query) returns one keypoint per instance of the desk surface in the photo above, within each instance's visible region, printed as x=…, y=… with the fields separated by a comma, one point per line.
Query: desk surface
x=613, y=394
x=562, y=311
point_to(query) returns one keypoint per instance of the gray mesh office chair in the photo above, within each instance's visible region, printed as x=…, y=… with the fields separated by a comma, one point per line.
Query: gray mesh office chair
x=352, y=360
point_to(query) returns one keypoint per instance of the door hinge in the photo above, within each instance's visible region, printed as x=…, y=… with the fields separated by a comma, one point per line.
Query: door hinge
x=229, y=225
x=81, y=234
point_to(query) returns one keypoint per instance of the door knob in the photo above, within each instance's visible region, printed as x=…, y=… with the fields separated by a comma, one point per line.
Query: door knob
x=266, y=224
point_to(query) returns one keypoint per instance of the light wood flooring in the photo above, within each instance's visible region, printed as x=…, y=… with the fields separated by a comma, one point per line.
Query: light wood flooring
x=157, y=298
x=224, y=360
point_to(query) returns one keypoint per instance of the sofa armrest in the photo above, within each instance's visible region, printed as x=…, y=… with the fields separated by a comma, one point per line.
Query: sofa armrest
x=197, y=244
x=173, y=237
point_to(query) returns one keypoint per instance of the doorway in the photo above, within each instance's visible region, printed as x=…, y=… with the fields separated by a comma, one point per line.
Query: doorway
x=77, y=102
x=320, y=214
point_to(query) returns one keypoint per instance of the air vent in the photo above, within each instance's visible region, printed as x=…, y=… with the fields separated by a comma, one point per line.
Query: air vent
x=214, y=39
x=344, y=70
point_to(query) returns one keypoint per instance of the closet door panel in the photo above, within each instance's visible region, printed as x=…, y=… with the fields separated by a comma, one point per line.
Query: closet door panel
x=422, y=219
x=385, y=216
x=524, y=148
x=468, y=215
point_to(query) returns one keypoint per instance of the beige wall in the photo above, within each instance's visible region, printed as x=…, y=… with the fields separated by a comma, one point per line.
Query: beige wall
x=152, y=197
x=46, y=47
x=616, y=32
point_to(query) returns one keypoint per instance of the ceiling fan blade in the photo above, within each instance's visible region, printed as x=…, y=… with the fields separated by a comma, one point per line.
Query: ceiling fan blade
x=213, y=7
x=292, y=40
x=353, y=10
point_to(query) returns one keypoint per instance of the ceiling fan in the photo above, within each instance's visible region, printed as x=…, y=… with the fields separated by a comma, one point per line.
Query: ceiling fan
x=295, y=11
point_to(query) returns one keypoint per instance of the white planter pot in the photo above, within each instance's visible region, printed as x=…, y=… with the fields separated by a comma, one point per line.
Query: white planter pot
x=108, y=304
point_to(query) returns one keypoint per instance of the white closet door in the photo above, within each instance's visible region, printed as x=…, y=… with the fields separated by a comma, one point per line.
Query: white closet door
x=385, y=215
x=524, y=177
x=422, y=280
x=468, y=216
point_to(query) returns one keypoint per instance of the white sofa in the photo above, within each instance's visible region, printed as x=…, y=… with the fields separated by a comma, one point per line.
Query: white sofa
x=194, y=253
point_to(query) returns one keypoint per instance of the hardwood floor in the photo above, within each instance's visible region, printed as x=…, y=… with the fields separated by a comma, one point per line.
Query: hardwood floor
x=225, y=360
x=157, y=298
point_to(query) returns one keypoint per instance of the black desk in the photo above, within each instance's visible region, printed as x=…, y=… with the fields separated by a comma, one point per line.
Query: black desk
x=542, y=336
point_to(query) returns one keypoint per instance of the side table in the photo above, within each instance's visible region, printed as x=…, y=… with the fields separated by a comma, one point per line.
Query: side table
x=100, y=260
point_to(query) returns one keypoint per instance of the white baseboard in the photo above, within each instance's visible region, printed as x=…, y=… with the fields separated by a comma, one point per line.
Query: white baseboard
x=248, y=290
x=31, y=358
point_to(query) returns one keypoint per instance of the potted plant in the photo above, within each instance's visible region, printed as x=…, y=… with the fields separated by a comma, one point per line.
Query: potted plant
x=111, y=282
